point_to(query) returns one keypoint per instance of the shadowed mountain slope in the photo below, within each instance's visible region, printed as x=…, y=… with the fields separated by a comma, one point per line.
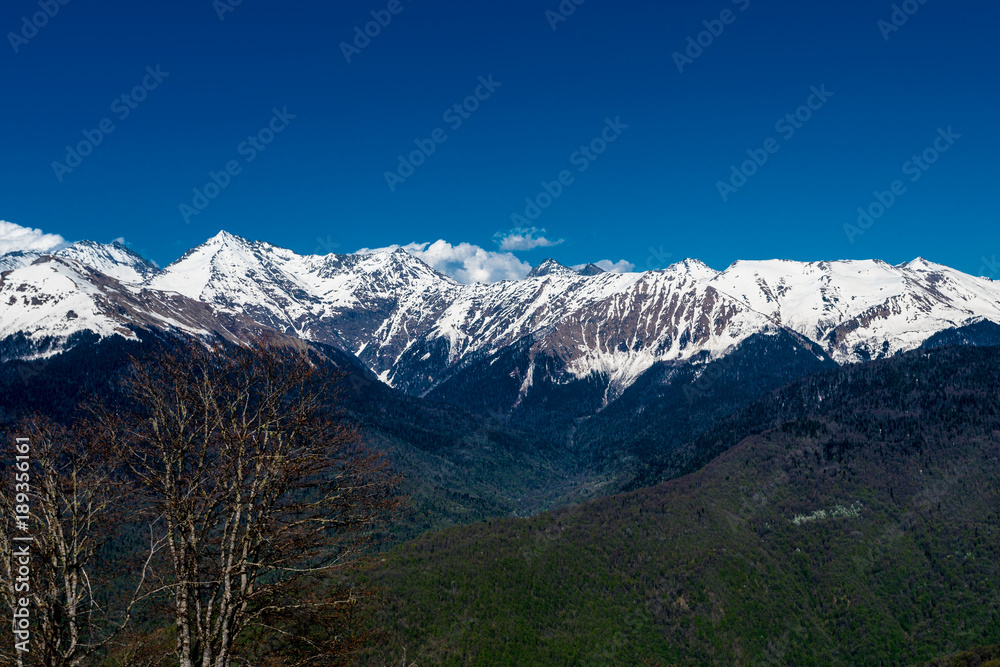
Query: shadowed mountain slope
x=861, y=528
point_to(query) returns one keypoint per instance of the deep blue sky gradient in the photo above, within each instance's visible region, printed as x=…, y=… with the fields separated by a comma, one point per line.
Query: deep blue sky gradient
x=322, y=178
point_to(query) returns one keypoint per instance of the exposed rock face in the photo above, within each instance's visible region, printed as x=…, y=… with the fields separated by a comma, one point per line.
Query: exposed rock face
x=415, y=327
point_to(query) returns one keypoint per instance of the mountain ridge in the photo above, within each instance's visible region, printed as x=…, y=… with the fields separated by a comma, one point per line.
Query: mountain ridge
x=414, y=327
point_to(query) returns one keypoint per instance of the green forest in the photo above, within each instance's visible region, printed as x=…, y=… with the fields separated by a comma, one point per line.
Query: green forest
x=861, y=529
x=849, y=517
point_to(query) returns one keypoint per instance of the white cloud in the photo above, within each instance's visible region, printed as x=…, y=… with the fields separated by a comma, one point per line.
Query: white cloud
x=15, y=237
x=621, y=266
x=524, y=239
x=464, y=262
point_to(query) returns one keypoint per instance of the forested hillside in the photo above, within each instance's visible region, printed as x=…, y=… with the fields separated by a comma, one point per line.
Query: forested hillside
x=986, y=656
x=463, y=460
x=458, y=466
x=860, y=528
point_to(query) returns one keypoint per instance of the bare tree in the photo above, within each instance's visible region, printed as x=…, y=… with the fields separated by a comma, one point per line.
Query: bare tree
x=75, y=503
x=265, y=494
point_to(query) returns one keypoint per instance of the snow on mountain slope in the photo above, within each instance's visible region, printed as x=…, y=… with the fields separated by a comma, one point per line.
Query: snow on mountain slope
x=54, y=298
x=111, y=259
x=339, y=299
x=17, y=259
x=238, y=276
x=550, y=267
x=395, y=312
x=862, y=309
x=615, y=324
x=413, y=325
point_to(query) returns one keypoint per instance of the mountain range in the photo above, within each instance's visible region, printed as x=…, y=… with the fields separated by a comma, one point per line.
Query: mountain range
x=606, y=376
x=418, y=329
x=786, y=462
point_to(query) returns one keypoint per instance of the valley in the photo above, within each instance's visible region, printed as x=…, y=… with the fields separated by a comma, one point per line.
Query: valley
x=781, y=463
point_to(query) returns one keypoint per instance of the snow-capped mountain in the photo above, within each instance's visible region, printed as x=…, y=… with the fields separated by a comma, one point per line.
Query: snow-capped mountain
x=356, y=302
x=590, y=270
x=45, y=303
x=415, y=327
x=860, y=310
x=17, y=259
x=412, y=325
x=550, y=267
x=111, y=259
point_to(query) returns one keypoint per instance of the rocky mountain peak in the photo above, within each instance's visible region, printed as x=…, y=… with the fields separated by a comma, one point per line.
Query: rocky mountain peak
x=550, y=267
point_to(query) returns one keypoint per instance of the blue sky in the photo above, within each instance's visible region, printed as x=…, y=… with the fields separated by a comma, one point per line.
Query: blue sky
x=221, y=78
